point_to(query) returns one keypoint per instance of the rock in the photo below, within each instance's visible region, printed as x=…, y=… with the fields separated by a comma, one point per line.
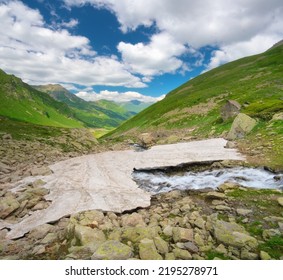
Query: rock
x=243, y=212
x=4, y=168
x=190, y=246
x=233, y=234
x=147, y=250
x=264, y=256
x=222, y=208
x=268, y=233
x=247, y=255
x=228, y=186
x=86, y=235
x=221, y=249
x=277, y=117
x=7, y=137
x=280, y=201
x=230, y=145
x=200, y=223
x=41, y=231
x=161, y=245
x=49, y=238
x=215, y=195
x=182, y=234
x=146, y=140
x=7, y=206
x=182, y=254
x=170, y=256
x=133, y=220
x=91, y=218
x=168, y=231
x=136, y=234
x=41, y=171
x=112, y=250
x=242, y=125
x=199, y=240
x=230, y=109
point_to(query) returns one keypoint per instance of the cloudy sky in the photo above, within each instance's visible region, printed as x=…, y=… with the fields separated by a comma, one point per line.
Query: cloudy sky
x=130, y=49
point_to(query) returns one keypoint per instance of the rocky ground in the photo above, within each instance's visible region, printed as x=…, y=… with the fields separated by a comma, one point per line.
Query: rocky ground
x=231, y=223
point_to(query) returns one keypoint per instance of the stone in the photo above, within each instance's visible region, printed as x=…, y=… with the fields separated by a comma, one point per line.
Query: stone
x=233, y=234
x=7, y=137
x=264, y=256
x=190, y=246
x=182, y=234
x=277, y=117
x=230, y=109
x=221, y=249
x=230, y=145
x=161, y=245
x=280, y=201
x=112, y=250
x=41, y=231
x=182, y=254
x=215, y=195
x=200, y=223
x=148, y=251
x=168, y=230
x=243, y=212
x=242, y=125
x=86, y=235
x=7, y=206
x=91, y=218
x=247, y=255
x=133, y=220
x=269, y=233
x=170, y=256
x=222, y=208
x=228, y=186
x=136, y=234
x=146, y=140
x=41, y=171
x=49, y=238
x=199, y=240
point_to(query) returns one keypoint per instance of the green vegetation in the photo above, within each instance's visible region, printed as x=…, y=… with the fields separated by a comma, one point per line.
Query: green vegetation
x=211, y=255
x=98, y=114
x=21, y=102
x=274, y=246
x=193, y=109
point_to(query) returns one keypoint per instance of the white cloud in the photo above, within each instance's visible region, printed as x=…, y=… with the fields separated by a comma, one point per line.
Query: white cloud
x=117, y=96
x=157, y=57
x=227, y=24
x=38, y=54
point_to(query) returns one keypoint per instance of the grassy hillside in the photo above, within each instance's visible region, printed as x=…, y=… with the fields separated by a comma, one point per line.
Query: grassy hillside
x=135, y=105
x=99, y=114
x=193, y=109
x=22, y=102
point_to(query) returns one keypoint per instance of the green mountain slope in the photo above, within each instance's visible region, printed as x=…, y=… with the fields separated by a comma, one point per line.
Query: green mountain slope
x=135, y=106
x=256, y=82
x=192, y=111
x=97, y=114
x=20, y=101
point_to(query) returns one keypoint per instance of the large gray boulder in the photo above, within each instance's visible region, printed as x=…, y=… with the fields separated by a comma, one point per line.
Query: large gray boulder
x=242, y=125
x=230, y=109
x=112, y=250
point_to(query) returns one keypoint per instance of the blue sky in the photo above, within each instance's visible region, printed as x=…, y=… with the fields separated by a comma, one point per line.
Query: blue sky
x=130, y=49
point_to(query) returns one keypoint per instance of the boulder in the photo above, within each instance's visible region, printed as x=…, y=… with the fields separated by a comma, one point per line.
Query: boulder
x=182, y=254
x=182, y=234
x=7, y=206
x=133, y=220
x=7, y=137
x=233, y=234
x=243, y=212
x=146, y=140
x=280, y=201
x=148, y=251
x=230, y=109
x=264, y=256
x=41, y=171
x=91, y=218
x=161, y=245
x=215, y=195
x=136, y=234
x=277, y=117
x=112, y=250
x=86, y=235
x=242, y=125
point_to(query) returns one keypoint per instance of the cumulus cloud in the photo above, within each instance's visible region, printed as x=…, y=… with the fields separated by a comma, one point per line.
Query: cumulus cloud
x=117, y=96
x=38, y=54
x=226, y=24
x=157, y=57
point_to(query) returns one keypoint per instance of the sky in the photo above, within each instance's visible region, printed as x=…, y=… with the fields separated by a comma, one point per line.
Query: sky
x=130, y=49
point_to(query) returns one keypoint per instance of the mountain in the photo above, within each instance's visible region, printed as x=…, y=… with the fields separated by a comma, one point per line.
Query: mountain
x=193, y=109
x=22, y=102
x=96, y=114
x=135, y=106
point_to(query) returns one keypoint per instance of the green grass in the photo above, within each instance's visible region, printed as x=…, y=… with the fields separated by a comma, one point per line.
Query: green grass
x=274, y=247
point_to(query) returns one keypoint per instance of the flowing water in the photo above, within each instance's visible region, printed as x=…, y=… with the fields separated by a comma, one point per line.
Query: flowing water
x=159, y=181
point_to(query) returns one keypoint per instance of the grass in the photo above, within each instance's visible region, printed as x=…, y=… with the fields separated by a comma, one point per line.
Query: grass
x=274, y=247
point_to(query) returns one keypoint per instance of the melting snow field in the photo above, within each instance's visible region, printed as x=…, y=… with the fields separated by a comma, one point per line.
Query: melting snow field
x=158, y=182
